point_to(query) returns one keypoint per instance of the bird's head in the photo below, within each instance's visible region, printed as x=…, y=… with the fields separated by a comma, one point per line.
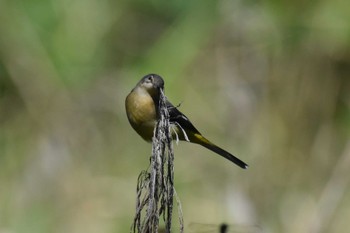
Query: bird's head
x=152, y=83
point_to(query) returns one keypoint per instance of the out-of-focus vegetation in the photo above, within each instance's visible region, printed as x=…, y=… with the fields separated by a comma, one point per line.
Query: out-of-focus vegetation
x=267, y=80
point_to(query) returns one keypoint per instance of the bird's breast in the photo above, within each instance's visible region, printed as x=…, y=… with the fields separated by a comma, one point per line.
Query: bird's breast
x=141, y=113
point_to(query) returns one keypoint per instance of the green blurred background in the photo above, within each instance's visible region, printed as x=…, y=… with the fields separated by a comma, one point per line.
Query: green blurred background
x=266, y=80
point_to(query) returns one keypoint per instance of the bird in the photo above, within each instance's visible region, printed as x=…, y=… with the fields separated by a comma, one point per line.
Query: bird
x=142, y=110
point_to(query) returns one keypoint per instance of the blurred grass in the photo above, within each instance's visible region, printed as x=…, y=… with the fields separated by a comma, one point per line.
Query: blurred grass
x=267, y=80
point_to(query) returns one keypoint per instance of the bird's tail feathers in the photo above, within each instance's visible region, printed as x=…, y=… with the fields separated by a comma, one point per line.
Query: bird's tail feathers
x=199, y=139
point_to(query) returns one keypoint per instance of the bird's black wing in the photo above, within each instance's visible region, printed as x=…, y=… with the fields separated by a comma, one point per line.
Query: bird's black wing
x=177, y=117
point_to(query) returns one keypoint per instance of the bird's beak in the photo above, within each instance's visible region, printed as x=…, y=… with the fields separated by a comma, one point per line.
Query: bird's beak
x=159, y=84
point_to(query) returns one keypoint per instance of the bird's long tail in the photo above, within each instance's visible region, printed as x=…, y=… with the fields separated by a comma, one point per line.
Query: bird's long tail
x=209, y=145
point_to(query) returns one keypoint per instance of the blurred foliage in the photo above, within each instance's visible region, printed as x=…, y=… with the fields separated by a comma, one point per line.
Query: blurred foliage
x=268, y=80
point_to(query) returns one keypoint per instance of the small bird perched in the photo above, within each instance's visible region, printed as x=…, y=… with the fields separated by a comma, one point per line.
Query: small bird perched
x=142, y=106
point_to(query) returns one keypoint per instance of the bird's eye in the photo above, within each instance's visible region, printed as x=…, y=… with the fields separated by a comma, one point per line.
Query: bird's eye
x=149, y=79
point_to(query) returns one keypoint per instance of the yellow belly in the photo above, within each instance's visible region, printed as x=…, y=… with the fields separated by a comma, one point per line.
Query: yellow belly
x=141, y=113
